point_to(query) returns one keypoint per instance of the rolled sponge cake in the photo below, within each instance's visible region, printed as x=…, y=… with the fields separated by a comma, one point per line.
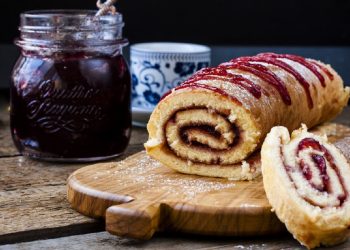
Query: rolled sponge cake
x=306, y=182
x=214, y=123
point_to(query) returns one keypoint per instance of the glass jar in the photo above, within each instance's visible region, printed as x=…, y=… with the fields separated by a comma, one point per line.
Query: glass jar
x=71, y=87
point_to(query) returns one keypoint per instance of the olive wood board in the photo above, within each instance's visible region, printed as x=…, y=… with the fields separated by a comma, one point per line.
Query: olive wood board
x=139, y=196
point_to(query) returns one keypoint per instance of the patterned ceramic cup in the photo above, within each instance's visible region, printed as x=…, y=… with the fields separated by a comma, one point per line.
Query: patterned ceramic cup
x=158, y=67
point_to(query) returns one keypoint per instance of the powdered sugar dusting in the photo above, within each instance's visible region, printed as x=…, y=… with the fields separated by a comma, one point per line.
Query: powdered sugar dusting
x=187, y=187
x=154, y=178
x=143, y=166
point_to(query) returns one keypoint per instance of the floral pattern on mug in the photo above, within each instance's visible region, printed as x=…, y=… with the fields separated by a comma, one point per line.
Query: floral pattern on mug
x=184, y=68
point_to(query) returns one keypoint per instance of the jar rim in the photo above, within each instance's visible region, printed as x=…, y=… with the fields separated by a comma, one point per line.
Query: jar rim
x=61, y=19
x=49, y=13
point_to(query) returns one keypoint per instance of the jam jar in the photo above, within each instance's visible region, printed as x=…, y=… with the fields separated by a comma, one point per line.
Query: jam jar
x=71, y=87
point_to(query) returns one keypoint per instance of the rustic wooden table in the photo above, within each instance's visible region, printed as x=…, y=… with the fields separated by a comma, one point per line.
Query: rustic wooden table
x=34, y=212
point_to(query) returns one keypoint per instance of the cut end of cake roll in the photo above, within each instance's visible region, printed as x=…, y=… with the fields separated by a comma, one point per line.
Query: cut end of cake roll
x=306, y=182
x=218, y=118
x=203, y=132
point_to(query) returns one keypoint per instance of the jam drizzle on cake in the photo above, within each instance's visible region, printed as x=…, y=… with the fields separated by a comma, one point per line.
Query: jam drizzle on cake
x=221, y=73
x=263, y=73
x=254, y=65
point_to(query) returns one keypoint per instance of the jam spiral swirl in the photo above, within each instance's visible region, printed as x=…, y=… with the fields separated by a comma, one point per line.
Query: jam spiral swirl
x=313, y=169
x=202, y=135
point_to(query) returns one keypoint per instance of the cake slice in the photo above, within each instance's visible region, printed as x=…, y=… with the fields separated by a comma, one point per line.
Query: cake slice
x=307, y=182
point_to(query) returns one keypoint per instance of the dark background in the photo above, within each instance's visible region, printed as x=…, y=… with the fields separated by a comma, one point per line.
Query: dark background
x=319, y=29
x=216, y=22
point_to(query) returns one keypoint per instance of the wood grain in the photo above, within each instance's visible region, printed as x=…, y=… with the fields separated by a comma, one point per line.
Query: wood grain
x=32, y=197
x=7, y=148
x=33, y=201
x=139, y=196
x=153, y=198
x=105, y=241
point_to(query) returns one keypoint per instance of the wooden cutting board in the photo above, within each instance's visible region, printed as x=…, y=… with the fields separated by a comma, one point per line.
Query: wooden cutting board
x=139, y=196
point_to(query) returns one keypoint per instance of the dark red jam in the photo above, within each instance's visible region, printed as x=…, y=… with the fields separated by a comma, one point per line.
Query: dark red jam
x=263, y=73
x=71, y=87
x=219, y=73
x=309, y=65
x=320, y=160
x=266, y=58
x=324, y=69
x=72, y=108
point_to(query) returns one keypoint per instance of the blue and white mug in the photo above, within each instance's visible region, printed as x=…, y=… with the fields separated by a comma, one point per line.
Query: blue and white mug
x=158, y=67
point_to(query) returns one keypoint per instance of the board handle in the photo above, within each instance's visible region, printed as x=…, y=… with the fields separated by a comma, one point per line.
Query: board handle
x=137, y=219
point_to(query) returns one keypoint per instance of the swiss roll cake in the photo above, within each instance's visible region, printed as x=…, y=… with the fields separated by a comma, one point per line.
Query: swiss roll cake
x=214, y=123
